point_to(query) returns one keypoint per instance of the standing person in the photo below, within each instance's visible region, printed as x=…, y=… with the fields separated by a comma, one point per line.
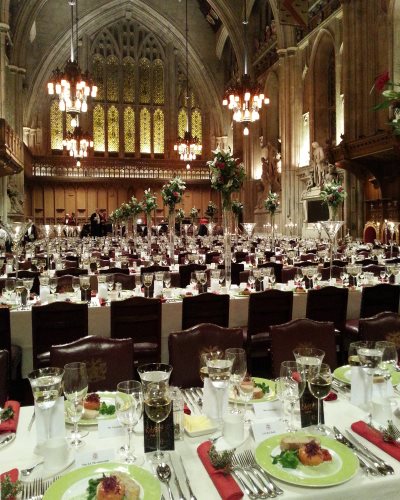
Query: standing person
x=95, y=223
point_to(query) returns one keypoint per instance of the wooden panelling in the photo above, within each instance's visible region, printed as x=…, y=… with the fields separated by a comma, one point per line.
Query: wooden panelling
x=59, y=196
x=49, y=208
x=38, y=198
x=91, y=200
x=122, y=196
x=102, y=198
x=70, y=201
x=112, y=200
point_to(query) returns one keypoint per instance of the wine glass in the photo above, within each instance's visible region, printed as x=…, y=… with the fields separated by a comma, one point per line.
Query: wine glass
x=75, y=384
x=46, y=388
x=9, y=286
x=75, y=284
x=129, y=409
x=298, y=277
x=221, y=276
x=203, y=369
x=353, y=358
x=19, y=288
x=280, y=394
x=239, y=369
x=53, y=284
x=319, y=384
x=157, y=404
x=167, y=279
x=293, y=382
x=251, y=279
x=219, y=373
x=370, y=356
x=147, y=282
x=85, y=285
x=110, y=282
x=389, y=357
x=246, y=390
x=203, y=280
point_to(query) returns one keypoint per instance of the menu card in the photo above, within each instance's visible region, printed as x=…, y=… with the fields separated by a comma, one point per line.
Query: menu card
x=309, y=409
x=167, y=441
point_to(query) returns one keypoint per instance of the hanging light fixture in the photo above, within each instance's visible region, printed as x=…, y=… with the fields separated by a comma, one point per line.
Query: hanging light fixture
x=77, y=144
x=72, y=87
x=245, y=98
x=188, y=147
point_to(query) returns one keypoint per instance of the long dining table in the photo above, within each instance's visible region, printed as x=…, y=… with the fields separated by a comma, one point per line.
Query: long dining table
x=99, y=319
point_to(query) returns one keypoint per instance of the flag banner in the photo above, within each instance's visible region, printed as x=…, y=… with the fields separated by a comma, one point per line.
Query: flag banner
x=293, y=12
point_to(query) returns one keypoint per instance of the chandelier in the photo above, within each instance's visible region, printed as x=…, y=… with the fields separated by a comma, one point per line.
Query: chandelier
x=72, y=87
x=188, y=147
x=244, y=98
x=77, y=143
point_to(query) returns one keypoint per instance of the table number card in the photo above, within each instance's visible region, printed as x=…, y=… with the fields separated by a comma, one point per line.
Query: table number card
x=269, y=410
x=110, y=428
x=264, y=430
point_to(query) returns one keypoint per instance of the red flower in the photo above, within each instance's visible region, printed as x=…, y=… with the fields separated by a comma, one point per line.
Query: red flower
x=381, y=81
x=176, y=194
x=220, y=164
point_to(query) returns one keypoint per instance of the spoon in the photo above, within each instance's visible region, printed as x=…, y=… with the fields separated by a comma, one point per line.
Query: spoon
x=27, y=472
x=164, y=475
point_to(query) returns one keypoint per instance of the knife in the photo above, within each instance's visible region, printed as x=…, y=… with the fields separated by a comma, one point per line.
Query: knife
x=367, y=451
x=7, y=439
x=178, y=486
x=192, y=497
x=190, y=397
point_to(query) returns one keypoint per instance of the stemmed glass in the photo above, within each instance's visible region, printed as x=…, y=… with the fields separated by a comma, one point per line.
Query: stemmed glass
x=319, y=384
x=239, y=369
x=75, y=384
x=246, y=389
x=370, y=356
x=110, y=282
x=219, y=373
x=129, y=409
x=292, y=382
x=85, y=285
x=147, y=281
x=46, y=388
x=251, y=279
x=202, y=280
x=75, y=284
x=53, y=284
x=280, y=394
x=389, y=357
x=9, y=286
x=167, y=279
x=19, y=288
x=157, y=404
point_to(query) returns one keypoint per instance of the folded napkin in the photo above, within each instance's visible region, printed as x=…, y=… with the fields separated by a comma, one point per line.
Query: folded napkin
x=331, y=397
x=375, y=437
x=225, y=484
x=11, y=424
x=13, y=473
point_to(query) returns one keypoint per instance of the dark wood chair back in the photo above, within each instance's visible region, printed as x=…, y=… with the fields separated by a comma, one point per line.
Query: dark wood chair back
x=59, y=322
x=328, y=304
x=236, y=270
x=4, y=375
x=272, y=307
x=5, y=328
x=277, y=267
x=64, y=283
x=382, y=326
x=379, y=298
x=73, y=271
x=373, y=268
x=186, y=270
x=127, y=280
x=114, y=270
x=326, y=272
x=29, y=274
x=302, y=333
x=206, y=307
x=140, y=319
x=190, y=344
x=108, y=361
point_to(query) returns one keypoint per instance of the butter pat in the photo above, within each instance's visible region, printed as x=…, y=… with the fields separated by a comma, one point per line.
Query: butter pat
x=196, y=423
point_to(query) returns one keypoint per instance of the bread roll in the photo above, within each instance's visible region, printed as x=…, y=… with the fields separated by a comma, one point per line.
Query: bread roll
x=295, y=442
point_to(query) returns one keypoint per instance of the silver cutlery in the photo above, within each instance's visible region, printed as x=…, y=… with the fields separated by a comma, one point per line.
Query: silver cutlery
x=247, y=461
x=271, y=484
x=190, y=397
x=27, y=472
x=381, y=462
x=363, y=464
x=198, y=395
x=191, y=494
x=164, y=475
x=7, y=439
x=177, y=483
x=247, y=471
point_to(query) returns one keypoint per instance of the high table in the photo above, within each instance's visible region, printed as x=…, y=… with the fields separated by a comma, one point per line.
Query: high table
x=340, y=413
x=100, y=321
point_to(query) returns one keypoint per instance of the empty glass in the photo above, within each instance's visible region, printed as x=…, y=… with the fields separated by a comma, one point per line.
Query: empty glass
x=75, y=384
x=239, y=369
x=389, y=357
x=147, y=282
x=291, y=385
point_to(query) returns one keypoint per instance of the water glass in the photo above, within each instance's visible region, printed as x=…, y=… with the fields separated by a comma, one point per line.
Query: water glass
x=75, y=384
x=293, y=382
x=219, y=373
x=239, y=369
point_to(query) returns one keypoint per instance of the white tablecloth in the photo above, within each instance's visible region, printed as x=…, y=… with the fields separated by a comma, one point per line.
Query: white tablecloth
x=100, y=323
x=340, y=413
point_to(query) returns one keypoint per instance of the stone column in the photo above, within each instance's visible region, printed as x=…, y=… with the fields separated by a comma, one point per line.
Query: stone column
x=4, y=29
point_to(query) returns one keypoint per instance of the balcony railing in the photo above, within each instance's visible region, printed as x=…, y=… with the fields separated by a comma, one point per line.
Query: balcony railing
x=11, y=150
x=319, y=11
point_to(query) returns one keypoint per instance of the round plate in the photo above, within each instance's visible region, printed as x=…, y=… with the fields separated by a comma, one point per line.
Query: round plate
x=73, y=485
x=342, y=468
x=269, y=396
x=106, y=397
x=343, y=374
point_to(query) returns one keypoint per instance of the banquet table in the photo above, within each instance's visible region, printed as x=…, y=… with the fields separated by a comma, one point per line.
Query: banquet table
x=340, y=413
x=100, y=321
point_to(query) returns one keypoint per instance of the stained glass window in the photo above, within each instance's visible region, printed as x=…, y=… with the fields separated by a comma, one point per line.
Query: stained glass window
x=182, y=122
x=98, y=75
x=56, y=126
x=158, y=82
x=197, y=124
x=129, y=130
x=144, y=81
x=145, y=131
x=112, y=79
x=113, y=129
x=129, y=80
x=158, y=131
x=98, y=128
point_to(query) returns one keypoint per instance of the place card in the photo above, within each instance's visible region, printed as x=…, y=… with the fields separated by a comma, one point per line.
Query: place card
x=267, y=410
x=94, y=457
x=264, y=430
x=110, y=428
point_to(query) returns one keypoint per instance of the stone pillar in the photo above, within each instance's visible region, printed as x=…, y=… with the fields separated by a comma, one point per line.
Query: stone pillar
x=4, y=29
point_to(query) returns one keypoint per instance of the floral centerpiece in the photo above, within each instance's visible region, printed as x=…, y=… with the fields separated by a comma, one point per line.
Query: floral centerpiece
x=115, y=215
x=333, y=194
x=390, y=92
x=136, y=206
x=179, y=215
x=211, y=210
x=271, y=203
x=149, y=202
x=194, y=213
x=125, y=211
x=172, y=192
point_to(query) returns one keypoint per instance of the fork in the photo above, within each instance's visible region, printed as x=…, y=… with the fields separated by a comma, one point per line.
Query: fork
x=272, y=485
x=248, y=462
x=239, y=462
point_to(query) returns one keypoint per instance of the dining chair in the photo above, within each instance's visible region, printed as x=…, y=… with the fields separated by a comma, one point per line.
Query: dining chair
x=14, y=351
x=271, y=307
x=74, y=271
x=64, y=283
x=277, y=267
x=186, y=270
x=205, y=308
x=55, y=323
x=302, y=333
x=382, y=326
x=373, y=268
x=4, y=376
x=114, y=270
x=139, y=318
x=108, y=361
x=189, y=344
x=288, y=273
x=127, y=280
x=236, y=270
x=28, y=274
x=326, y=272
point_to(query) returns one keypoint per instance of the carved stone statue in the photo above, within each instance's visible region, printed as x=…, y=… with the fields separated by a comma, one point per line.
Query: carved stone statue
x=15, y=197
x=318, y=164
x=270, y=176
x=332, y=175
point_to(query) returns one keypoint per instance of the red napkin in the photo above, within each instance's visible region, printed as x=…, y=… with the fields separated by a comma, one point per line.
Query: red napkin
x=375, y=437
x=331, y=397
x=225, y=484
x=13, y=473
x=11, y=424
x=186, y=409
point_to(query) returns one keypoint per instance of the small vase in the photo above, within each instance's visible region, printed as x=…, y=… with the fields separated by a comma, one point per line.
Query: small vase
x=333, y=212
x=134, y=227
x=272, y=231
x=227, y=227
x=171, y=234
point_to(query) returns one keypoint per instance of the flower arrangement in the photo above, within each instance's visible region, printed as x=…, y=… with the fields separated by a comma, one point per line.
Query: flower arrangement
x=172, y=192
x=390, y=92
x=136, y=206
x=194, y=213
x=149, y=202
x=211, y=210
x=179, y=215
x=271, y=203
x=227, y=175
x=116, y=215
x=237, y=208
x=333, y=194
